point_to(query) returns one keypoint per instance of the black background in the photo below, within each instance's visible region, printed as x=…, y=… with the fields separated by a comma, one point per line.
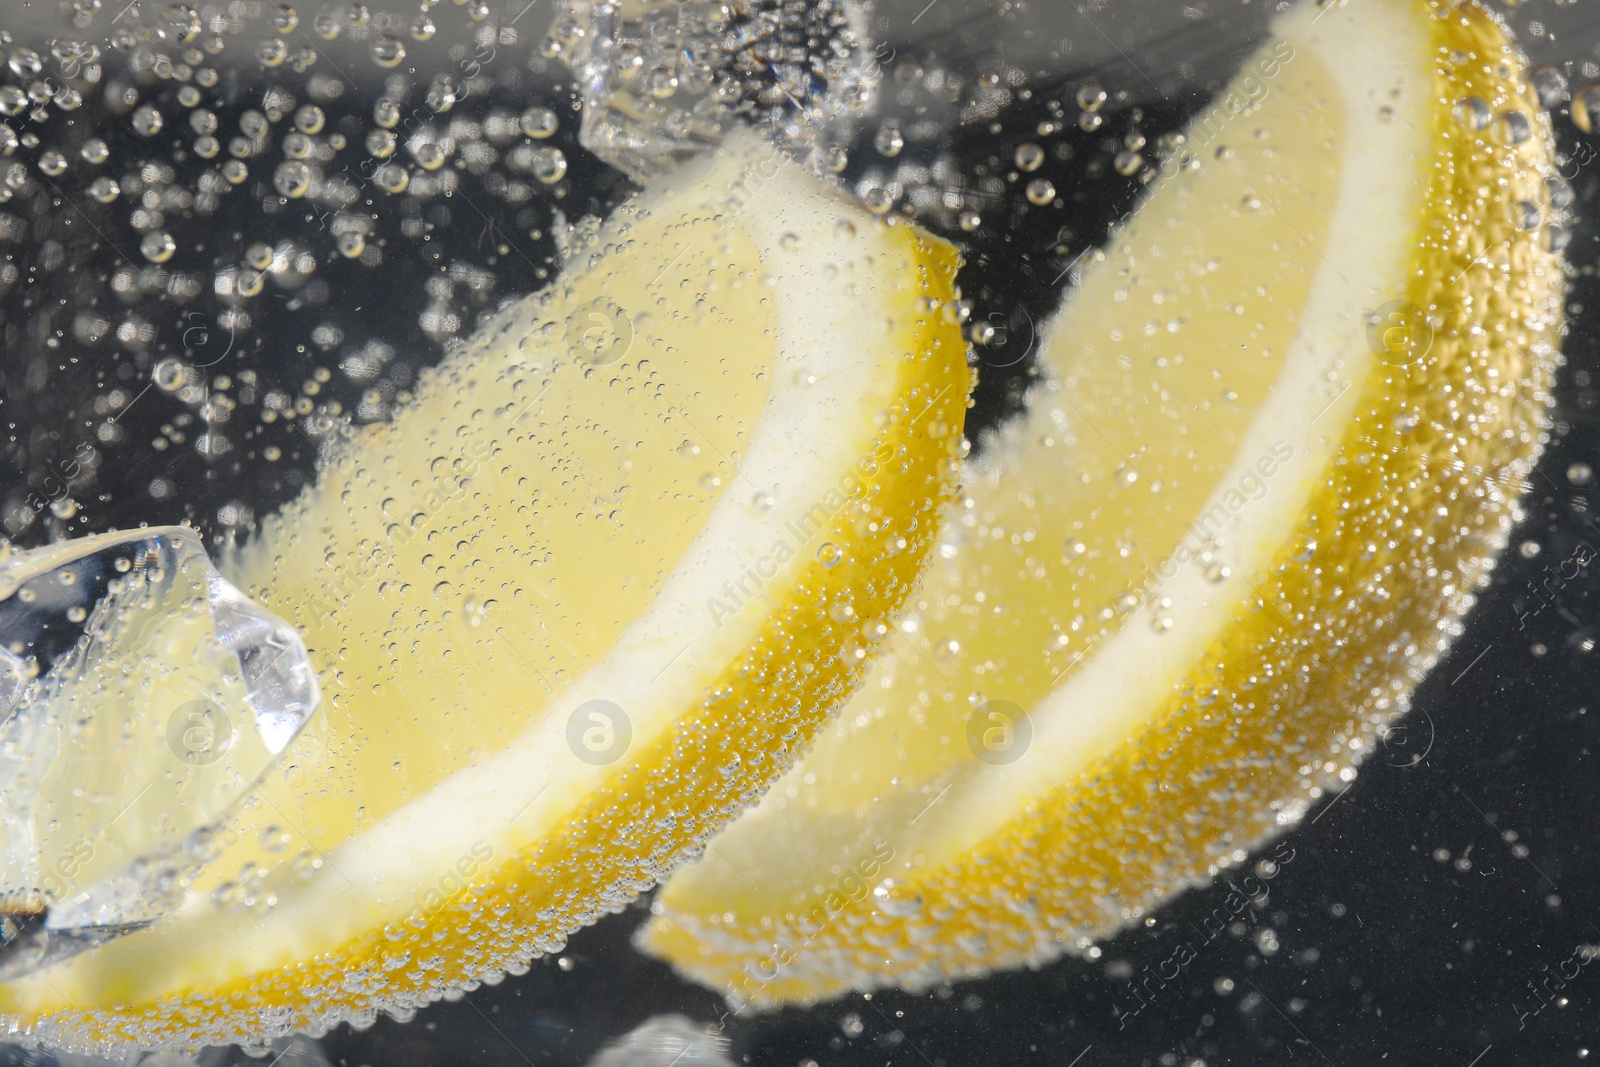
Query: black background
x=1417, y=959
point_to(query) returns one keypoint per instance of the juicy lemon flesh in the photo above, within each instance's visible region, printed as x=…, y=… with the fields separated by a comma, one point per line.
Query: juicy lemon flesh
x=898, y=864
x=459, y=574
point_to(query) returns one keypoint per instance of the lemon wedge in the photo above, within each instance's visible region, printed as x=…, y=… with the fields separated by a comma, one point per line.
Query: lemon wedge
x=571, y=610
x=1282, y=428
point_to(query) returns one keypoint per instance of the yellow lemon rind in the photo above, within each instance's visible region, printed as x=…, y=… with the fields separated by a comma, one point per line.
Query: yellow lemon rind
x=1320, y=658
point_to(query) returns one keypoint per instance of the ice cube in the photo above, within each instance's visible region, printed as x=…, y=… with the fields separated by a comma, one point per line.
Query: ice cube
x=664, y=79
x=148, y=697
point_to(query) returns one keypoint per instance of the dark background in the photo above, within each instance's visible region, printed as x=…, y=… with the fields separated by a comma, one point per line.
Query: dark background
x=1421, y=908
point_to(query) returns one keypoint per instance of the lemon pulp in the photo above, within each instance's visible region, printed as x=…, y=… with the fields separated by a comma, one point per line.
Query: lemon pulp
x=1242, y=518
x=654, y=490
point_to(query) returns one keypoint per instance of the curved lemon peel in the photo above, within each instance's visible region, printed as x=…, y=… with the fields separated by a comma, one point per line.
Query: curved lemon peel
x=825, y=500
x=888, y=878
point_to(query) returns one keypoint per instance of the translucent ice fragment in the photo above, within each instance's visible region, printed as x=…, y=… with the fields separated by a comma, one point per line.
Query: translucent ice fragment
x=663, y=79
x=141, y=698
x=666, y=1041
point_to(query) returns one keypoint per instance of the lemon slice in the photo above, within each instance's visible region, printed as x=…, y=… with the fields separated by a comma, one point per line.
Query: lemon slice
x=571, y=610
x=1284, y=423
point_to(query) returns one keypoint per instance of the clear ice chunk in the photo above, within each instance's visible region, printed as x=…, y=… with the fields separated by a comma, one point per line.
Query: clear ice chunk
x=142, y=697
x=664, y=79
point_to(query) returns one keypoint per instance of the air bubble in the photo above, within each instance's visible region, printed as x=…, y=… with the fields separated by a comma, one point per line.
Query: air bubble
x=1586, y=107
x=1091, y=96
x=1514, y=128
x=1471, y=113
x=158, y=246
x=1549, y=85
x=309, y=119
x=388, y=51
x=549, y=165
x=292, y=179
x=393, y=178
x=147, y=121
x=888, y=140
x=538, y=122
x=272, y=52
x=1029, y=156
x=1040, y=192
